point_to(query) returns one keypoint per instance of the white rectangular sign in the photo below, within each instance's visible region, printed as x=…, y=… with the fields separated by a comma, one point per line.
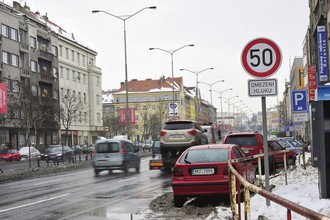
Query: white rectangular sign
x=262, y=87
x=300, y=117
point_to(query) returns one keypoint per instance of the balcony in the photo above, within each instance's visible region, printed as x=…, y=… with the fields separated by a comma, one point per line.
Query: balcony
x=43, y=34
x=25, y=72
x=46, y=55
x=46, y=78
x=24, y=47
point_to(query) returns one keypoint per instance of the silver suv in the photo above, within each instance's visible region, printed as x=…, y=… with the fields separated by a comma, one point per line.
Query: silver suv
x=116, y=154
x=179, y=135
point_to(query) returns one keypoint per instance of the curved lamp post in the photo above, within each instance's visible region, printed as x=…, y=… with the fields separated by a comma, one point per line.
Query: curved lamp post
x=124, y=18
x=220, y=92
x=210, y=85
x=171, y=52
x=196, y=93
x=228, y=99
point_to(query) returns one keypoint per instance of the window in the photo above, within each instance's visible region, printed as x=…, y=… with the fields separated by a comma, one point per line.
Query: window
x=34, y=66
x=54, y=50
x=34, y=90
x=5, y=57
x=13, y=34
x=73, y=75
x=85, y=99
x=55, y=73
x=144, y=108
x=84, y=78
x=45, y=92
x=97, y=99
x=83, y=60
x=7, y=81
x=61, y=71
x=62, y=93
x=67, y=53
x=15, y=86
x=97, y=81
x=85, y=116
x=61, y=50
x=136, y=108
x=78, y=58
x=72, y=55
x=5, y=30
x=55, y=94
x=98, y=117
x=14, y=60
x=67, y=74
x=33, y=42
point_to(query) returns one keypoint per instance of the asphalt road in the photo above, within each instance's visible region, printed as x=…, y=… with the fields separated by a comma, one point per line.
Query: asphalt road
x=81, y=195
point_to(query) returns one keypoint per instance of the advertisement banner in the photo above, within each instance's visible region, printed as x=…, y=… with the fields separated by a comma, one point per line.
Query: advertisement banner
x=123, y=116
x=311, y=82
x=322, y=53
x=132, y=115
x=3, y=98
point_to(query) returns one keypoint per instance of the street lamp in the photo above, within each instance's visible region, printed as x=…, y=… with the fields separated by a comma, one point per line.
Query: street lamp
x=210, y=85
x=124, y=18
x=171, y=52
x=220, y=92
x=228, y=99
x=196, y=73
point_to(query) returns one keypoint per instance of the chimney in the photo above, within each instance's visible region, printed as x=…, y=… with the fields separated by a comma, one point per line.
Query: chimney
x=45, y=17
x=122, y=84
x=162, y=78
x=17, y=6
x=26, y=7
x=134, y=80
x=38, y=13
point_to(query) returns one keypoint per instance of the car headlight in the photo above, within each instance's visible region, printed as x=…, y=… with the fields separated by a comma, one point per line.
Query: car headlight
x=59, y=155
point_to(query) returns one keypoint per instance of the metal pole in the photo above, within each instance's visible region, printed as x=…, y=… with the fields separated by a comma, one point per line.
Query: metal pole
x=174, y=119
x=128, y=121
x=265, y=143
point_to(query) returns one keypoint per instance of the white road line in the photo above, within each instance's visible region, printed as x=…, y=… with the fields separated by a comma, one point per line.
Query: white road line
x=33, y=203
x=126, y=180
x=37, y=184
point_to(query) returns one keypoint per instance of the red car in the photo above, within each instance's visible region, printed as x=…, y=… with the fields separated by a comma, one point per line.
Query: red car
x=10, y=155
x=203, y=170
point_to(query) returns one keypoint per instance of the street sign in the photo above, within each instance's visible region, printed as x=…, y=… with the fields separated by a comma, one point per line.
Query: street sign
x=300, y=117
x=261, y=58
x=299, y=101
x=263, y=87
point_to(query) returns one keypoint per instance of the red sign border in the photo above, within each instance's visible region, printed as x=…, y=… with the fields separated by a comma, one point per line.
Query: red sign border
x=273, y=69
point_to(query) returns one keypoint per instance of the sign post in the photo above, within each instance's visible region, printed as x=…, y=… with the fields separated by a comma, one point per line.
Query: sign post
x=261, y=58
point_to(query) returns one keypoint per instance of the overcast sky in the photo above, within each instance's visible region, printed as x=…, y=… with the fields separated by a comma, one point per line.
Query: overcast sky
x=219, y=29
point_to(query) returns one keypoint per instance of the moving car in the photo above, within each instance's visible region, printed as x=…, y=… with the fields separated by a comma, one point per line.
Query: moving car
x=203, y=170
x=34, y=153
x=10, y=155
x=116, y=154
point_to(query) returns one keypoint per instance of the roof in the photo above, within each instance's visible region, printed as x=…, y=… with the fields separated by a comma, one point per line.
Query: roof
x=152, y=85
x=218, y=146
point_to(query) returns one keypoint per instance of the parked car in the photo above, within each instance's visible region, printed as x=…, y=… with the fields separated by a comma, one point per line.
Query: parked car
x=10, y=155
x=84, y=149
x=155, y=148
x=274, y=146
x=116, y=154
x=203, y=170
x=291, y=145
x=34, y=153
x=209, y=132
x=59, y=153
x=77, y=149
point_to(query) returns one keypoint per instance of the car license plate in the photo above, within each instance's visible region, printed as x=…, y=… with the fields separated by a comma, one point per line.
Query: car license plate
x=177, y=136
x=203, y=171
x=102, y=162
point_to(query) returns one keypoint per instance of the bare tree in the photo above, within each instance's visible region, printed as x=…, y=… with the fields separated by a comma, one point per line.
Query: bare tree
x=112, y=121
x=71, y=108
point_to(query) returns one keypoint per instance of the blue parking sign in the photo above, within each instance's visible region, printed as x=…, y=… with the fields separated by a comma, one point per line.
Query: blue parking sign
x=299, y=101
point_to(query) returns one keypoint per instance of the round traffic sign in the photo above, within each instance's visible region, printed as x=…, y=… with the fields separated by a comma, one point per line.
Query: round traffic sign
x=261, y=57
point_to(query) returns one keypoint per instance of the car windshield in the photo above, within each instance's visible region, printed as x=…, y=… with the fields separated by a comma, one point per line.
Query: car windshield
x=112, y=147
x=295, y=144
x=178, y=126
x=156, y=144
x=24, y=150
x=205, y=156
x=242, y=140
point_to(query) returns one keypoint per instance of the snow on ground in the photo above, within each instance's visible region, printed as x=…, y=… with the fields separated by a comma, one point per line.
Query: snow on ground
x=302, y=189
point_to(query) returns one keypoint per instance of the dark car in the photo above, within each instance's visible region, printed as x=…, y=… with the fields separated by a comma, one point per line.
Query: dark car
x=59, y=153
x=203, y=170
x=77, y=149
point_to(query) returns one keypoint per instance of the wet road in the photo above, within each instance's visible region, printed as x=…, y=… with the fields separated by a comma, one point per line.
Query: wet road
x=81, y=195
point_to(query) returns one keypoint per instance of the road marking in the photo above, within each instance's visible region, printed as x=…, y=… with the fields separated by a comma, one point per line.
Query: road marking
x=37, y=184
x=33, y=203
x=126, y=180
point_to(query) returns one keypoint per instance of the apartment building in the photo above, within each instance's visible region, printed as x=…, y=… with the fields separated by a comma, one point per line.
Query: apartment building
x=41, y=55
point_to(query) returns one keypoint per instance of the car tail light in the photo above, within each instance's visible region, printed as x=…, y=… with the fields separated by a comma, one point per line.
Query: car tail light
x=177, y=172
x=122, y=150
x=163, y=133
x=192, y=132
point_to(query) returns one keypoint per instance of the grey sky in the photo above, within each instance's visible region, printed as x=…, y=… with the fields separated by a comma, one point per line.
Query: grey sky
x=219, y=29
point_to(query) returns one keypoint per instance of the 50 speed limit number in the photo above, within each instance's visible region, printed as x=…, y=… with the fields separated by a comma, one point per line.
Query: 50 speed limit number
x=261, y=58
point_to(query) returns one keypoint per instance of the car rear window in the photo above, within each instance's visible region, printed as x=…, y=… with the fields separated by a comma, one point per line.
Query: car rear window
x=205, y=156
x=108, y=147
x=242, y=140
x=178, y=126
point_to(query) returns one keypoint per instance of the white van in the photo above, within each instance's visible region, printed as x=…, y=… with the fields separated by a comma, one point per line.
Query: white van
x=209, y=132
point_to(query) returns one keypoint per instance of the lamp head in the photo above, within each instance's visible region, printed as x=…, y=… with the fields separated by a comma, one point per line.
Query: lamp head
x=152, y=7
x=95, y=11
x=191, y=45
x=151, y=48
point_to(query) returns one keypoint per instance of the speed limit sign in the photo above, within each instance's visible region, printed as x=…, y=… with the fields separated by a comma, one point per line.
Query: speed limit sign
x=261, y=58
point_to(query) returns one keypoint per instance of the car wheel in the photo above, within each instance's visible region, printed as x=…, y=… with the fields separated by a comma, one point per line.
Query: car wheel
x=96, y=172
x=178, y=201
